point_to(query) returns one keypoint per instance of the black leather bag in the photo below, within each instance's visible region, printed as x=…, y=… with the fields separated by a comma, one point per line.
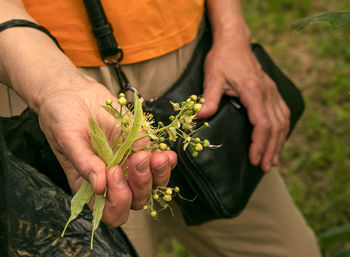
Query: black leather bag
x=221, y=180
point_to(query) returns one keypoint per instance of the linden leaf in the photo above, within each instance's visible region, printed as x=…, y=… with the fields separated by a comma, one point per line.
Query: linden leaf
x=118, y=140
x=99, y=205
x=112, y=111
x=100, y=143
x=78, y=201
x=134, y=131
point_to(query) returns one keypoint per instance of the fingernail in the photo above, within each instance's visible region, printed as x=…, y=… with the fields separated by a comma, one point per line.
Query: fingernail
x=275, y=159
x=93, y=180
x=119, y=178
x=162, y=169
x=143, y=166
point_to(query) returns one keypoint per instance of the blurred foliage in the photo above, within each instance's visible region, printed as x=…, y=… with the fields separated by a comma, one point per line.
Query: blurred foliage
x=333, y=18
x=315, y=161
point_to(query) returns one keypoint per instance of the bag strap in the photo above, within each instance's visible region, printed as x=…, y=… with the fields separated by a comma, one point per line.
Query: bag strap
x=110, y=52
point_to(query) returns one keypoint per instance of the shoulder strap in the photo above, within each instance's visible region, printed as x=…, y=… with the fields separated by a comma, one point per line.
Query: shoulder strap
x=103, y=31
x=110, y=52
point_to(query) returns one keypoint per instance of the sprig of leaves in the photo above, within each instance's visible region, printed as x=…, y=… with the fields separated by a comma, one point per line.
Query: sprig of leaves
x=132, y=121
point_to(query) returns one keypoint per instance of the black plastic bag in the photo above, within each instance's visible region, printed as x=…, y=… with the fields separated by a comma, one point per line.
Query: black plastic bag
x=34, y=210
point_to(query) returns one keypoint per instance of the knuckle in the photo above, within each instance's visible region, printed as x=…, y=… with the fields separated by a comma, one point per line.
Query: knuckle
x=81, y=165
x=276, y=129
x=254, y=85
x=265, y=124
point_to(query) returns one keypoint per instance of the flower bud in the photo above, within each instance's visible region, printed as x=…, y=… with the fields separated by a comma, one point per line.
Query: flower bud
x=169, y=191
x=167, y=198
x=122, y=101
x=194, y=98
x=121, y=95
x=145, y=207
x=206, y=143
x=153, y=213
x=109, y=102
x=197, y=108
x=176, y=189
x=162, y=146
x=195, y=154
x=198, y=147
x=155, y=196
x=171, y=117
x=202, y=101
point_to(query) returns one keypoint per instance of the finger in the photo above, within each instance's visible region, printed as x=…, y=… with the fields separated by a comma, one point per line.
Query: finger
x=77, y=158
x=271, y=147
x=172, y=158
x=275, y=117
x=119, y=197
x=253, y=98
x=73, y=176
x=284, y=115
x=213, y=91
x=161, y=165
x=140, y=178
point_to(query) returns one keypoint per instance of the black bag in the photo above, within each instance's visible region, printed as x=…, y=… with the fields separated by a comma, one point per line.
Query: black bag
x=33, y=210
x=222, y=179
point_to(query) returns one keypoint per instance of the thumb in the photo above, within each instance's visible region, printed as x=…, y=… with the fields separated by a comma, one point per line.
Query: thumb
x=213, y=90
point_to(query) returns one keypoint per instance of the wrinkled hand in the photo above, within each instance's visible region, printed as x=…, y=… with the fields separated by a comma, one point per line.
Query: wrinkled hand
x=63, y=117
x=232, y=69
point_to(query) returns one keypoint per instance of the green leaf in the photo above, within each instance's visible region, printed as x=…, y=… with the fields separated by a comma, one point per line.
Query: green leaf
x=118, y=140
x=100, y=143
x=333, y=18
x=335, y=235
x=134, y=131
x=78, y=201
x=112, y=111
x=99, y=205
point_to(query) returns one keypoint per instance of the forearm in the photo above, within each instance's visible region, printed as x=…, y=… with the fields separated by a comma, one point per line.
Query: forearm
x=30, y=62
x=227, y=21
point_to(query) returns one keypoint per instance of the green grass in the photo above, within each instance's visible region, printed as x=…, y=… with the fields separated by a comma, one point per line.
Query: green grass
x=316, y=160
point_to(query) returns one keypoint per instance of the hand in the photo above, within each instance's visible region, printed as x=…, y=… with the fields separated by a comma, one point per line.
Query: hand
x=63, y=117
x=232, y=69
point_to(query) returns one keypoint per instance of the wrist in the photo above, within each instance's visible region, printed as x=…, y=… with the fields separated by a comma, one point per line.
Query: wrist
x=235, y=34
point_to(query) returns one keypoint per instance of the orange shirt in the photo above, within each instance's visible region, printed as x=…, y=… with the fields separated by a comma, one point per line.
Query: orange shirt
x=143, y=28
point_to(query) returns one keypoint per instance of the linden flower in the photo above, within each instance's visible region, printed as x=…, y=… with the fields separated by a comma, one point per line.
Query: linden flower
x=147, y=121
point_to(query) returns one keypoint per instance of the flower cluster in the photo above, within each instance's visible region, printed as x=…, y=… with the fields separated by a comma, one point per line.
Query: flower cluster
x=159, y=199
x=181, y=124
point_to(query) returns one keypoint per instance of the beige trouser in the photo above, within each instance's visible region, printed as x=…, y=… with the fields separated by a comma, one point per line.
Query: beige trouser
x=270, y=225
